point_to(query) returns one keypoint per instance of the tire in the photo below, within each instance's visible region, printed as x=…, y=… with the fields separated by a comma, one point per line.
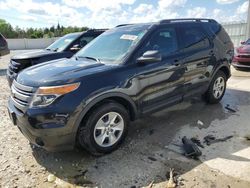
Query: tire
x=99, y=134
x=216, y=88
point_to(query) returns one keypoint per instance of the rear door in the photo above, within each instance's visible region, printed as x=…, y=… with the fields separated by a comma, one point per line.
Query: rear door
x=160, y=84
x=198, y=51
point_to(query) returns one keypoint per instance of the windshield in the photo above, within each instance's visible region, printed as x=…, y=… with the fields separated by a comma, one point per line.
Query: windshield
x=62, y=43
x=113, y=45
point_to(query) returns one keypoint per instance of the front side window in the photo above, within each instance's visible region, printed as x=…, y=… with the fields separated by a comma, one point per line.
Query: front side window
x=164, y=41
x=62, y=43
x=193, y=38
x=113, y=45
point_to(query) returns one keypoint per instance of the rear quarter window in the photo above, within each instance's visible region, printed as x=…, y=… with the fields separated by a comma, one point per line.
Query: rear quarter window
x=216, y=30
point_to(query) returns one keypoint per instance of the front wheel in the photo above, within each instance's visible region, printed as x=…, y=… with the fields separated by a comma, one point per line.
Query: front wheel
x=105, y=129
x=216, y=88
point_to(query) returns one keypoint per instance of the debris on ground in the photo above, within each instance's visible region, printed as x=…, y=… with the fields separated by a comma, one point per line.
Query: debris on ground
x=210, y=139
x=152, y=158
x=230, y=109
x=200, y=123
x=51, y=178
x=171, y=183
x=190, y=148
x=197, y=142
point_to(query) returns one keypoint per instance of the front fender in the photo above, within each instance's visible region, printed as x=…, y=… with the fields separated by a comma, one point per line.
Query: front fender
x=88, y=104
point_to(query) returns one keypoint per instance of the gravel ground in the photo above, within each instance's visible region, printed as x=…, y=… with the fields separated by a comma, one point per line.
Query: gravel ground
x=145, y=155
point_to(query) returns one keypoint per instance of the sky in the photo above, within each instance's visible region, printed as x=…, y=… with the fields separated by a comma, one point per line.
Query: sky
x=109, y=13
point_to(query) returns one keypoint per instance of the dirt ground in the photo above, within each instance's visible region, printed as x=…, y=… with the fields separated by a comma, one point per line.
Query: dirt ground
x=147, y=154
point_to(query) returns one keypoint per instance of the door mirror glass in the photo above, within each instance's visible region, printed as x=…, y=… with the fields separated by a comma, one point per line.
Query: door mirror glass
x=75, y=48
x=243, y=42
x=150, y=56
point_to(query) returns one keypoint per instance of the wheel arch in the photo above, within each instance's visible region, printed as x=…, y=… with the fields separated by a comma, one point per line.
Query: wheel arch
x=225, y=70
x=120, y=98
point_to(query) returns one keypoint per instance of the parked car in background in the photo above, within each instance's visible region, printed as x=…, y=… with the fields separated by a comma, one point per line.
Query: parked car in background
x=242, y=56
x=4, y=50
x=64, y=47
x=125, y=73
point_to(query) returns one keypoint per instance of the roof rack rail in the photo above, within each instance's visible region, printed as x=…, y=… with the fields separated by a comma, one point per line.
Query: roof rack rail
x=188, y=20
x=121, y=25
x=97, y=29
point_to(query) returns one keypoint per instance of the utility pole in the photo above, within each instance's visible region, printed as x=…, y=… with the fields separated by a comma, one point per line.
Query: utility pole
x=248, y=21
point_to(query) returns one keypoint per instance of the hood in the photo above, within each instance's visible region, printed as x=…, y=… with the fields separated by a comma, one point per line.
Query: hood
x=244, y=49
x=33, y=54
x=59, y=72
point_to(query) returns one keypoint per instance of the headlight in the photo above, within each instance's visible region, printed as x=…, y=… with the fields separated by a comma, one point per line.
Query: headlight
x=236, y=52
x=47, y=95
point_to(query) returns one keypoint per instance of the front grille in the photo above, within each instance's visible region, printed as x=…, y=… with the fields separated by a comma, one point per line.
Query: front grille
x=245, y=63
x=244, y=55
x=14, y=67
x=21, y=95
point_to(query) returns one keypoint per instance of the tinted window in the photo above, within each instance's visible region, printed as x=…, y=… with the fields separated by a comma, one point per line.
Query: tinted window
x=193, y=37
x=85, y=40
x=165, y=41
x=62, y=43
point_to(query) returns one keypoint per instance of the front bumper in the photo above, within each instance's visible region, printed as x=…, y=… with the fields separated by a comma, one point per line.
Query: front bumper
x=241, y=62
x=52, y=135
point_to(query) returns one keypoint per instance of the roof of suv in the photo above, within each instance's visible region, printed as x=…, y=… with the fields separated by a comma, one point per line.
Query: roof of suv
x=181, y=20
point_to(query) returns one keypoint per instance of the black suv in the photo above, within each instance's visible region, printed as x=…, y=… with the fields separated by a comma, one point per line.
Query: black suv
x=65, y=47
x=123, y=74
x=4, y=50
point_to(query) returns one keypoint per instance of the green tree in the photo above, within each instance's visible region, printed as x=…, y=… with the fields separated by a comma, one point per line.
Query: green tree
x=9, y=32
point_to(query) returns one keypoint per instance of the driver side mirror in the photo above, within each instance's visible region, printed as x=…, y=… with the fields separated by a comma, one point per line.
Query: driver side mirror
x=150, y=56
x=75, y=48
x=243, y=42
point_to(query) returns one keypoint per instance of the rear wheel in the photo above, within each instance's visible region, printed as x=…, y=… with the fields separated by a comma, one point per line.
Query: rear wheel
x=105, y=129
x=217, y=88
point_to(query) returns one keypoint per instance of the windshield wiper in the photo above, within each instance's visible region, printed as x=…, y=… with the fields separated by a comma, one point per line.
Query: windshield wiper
x=54, y=50
x=87, y=57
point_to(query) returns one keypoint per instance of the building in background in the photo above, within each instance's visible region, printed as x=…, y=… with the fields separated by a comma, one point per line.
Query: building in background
x=237, y=32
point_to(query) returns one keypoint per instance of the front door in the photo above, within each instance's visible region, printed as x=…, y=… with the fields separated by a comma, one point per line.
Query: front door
x=161, y=83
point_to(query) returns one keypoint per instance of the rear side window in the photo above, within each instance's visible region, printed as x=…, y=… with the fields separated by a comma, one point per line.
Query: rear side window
x=164, y=40
x=193, y=38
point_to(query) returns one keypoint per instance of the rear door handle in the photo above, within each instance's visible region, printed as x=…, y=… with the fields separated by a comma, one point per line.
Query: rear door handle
x=211, y=53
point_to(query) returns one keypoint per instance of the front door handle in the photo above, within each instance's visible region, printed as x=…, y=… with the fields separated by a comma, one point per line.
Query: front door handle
x=176, y=62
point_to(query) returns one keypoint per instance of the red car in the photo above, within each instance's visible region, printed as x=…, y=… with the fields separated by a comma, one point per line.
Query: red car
x=242, y=56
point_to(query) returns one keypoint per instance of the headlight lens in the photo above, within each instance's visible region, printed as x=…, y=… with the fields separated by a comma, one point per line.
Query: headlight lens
x=236, y=52
x=47, y=95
